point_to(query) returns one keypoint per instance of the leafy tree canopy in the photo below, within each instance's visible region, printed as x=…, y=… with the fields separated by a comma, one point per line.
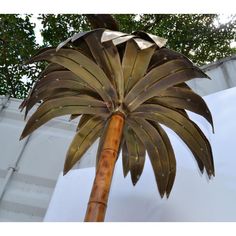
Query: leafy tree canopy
x=17, y=44
x=201, y=37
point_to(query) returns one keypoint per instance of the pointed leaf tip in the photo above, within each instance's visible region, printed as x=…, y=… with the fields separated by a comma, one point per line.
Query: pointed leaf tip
x=134, y=181
x=66, y=169
x=23, y=135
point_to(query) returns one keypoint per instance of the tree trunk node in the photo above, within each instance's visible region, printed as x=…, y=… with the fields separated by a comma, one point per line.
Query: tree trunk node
x=101, y=186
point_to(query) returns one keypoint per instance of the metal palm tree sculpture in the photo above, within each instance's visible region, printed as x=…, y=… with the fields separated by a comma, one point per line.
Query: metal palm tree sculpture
x=124, y=87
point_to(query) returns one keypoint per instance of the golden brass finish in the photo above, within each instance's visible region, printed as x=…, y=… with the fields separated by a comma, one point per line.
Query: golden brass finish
x=101, y=73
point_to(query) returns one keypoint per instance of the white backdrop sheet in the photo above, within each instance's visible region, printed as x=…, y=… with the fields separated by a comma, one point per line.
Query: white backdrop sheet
x=193, y=198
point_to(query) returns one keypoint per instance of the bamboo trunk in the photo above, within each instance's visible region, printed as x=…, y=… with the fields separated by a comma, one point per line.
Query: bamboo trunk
x=101, y=186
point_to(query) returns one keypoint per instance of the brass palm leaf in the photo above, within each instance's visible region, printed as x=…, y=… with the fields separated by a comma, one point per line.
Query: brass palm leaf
x=101, y=72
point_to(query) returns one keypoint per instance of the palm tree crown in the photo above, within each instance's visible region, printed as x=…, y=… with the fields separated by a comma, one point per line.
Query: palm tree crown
x=99, y=73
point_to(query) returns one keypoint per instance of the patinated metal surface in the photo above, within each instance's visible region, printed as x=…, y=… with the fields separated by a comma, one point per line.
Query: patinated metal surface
x=100, y=73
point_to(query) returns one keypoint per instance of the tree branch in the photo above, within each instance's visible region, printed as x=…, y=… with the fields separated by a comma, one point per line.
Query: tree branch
x=102, y=21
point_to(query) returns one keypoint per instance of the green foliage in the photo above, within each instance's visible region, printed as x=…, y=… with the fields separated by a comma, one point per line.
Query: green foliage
x=17, y=44
x=57, y=28
x=198, y=36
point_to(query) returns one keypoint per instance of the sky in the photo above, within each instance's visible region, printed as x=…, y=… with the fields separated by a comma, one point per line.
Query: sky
x=38, y=27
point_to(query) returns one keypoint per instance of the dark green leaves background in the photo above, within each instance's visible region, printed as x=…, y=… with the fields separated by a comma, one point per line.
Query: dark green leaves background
x=198, y=36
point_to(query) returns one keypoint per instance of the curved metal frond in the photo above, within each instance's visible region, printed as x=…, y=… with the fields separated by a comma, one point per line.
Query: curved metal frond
x=109, y=35
x=156, y=74
x=157, y=154
x=122, y=39
x=113, y=59
x=159, y=41
x=63, y=106
x=74, y=116
x=83, y=119
x=136, y=155
x=170, y=156
x=135, y=63
x=164, y=55
x=184, y=127
x=83, y=139
x=101, y=141
x=51, y=68
x=99, y=73
x=57, y=88
x=83, y=67
x=125, y=159
x=183, y=98
x=160, y=79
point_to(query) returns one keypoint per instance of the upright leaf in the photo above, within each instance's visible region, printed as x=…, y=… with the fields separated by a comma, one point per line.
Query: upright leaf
x=135, y=63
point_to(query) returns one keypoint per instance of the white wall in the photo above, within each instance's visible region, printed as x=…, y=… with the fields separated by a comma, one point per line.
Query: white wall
x=29, y=189
x=194, y=197
x=222, y=73
x=41, y=159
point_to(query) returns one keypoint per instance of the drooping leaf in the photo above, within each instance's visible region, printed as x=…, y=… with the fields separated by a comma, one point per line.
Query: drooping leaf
x=164, y=55
x=184, y=127
x=83, y=119
x=74, y=116
x=107, y=57
x=171, y=156
x=83, y=139
x=164, y=83
x=154, y=75
x=44, y=95
x=125, y=159
x=157, y=156
x=136, y=155
x=184, y=99
x=63, y=106
x=51, y=68
x=54, y=89
x=59, y=75
x=101, y=141
x=83, y=67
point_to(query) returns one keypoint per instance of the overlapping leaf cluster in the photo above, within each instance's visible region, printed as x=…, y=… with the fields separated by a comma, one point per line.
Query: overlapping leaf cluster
x=98, y=73
x=17, y=43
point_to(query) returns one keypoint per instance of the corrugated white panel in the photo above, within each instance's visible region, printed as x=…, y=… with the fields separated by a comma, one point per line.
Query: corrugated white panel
x=222, y=74
x=40, y=160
